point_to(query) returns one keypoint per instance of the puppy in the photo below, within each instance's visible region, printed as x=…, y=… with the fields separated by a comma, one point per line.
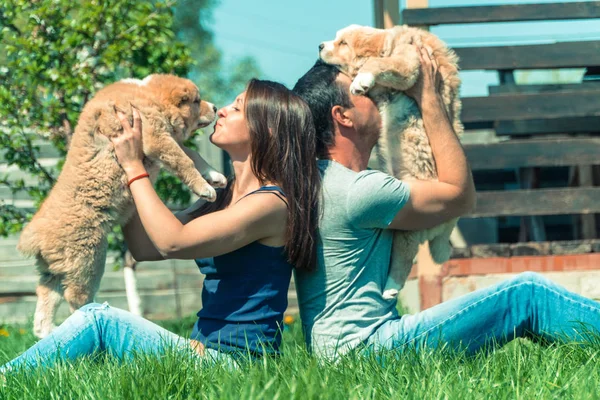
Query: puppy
x=383, y=63
x=68, y=234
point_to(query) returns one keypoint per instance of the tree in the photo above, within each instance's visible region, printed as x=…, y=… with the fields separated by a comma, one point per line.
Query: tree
x=193, y=18
x=55, y=54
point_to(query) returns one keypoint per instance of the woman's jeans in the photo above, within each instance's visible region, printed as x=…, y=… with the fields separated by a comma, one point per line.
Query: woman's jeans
x=526, y=305
x=99, y=327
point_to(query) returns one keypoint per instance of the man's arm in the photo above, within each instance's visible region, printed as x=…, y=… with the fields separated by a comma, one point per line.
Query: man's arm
x=434, y=202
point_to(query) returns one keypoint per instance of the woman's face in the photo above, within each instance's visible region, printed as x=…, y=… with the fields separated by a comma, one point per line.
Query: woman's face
x=231, y=130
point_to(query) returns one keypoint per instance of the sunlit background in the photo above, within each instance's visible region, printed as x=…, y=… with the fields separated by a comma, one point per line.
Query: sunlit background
x=283, y=35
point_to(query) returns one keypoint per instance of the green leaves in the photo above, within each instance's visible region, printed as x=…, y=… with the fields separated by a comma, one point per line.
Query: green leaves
x=55, y=54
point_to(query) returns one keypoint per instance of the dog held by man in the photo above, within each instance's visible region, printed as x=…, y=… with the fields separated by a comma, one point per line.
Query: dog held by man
x=383, y=63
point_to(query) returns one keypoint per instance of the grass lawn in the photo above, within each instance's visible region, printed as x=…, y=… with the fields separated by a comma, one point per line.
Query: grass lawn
x=521, y=370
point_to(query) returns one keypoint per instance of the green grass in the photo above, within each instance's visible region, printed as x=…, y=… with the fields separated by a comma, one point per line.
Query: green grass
x=522, y=370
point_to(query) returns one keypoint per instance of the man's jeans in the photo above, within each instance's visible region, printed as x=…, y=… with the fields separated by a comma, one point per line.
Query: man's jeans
x=525, y=305
x=99, y=327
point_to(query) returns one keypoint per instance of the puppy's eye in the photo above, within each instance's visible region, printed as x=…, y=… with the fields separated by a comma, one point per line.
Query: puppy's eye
x=196, y=101
x=343, y=43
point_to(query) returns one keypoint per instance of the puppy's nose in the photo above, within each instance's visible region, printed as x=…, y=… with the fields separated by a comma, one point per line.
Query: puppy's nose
x=321, y=46
x=214, y=108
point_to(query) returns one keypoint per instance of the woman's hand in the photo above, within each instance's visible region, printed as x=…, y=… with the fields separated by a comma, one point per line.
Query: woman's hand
x=425, y=89
x=128, y=145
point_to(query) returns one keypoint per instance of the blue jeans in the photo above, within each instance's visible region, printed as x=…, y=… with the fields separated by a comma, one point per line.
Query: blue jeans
x=528, y=304
x=99, y=327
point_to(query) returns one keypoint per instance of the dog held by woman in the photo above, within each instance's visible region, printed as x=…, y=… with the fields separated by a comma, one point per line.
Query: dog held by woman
x=68, y=234
x=382, y=64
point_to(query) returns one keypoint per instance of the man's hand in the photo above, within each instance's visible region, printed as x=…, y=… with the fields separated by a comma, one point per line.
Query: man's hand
x=453, y=194
x=426, y=89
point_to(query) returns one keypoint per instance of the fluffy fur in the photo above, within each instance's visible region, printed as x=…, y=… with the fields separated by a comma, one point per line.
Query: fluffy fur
x=68, y=234
x=383, y=63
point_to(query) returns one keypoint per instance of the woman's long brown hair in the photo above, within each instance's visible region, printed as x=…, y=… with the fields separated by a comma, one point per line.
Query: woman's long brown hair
x=284, y=151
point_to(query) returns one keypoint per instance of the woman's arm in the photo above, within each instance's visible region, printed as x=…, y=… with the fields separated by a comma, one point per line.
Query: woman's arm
x=255, y=217
x=138, y=242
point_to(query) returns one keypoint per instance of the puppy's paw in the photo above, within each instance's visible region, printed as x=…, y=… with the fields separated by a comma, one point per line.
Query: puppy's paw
x=42, y=332
x=390, y=294
x=362, y=83
x=215, y=179
x=206, y=192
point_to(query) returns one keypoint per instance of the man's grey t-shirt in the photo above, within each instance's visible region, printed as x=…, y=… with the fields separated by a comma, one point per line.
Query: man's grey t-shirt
x=341, y=302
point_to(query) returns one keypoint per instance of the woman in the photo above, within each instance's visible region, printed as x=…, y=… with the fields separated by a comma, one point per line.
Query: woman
x=246, y=242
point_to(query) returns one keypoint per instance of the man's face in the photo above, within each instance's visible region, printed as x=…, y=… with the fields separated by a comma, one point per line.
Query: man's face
x=364, y=114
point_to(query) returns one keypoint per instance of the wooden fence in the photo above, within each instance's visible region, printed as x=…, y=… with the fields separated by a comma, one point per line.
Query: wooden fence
x=537, y=128
x=168, y=289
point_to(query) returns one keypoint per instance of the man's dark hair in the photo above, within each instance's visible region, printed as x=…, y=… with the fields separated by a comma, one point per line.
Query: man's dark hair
x=320, y=90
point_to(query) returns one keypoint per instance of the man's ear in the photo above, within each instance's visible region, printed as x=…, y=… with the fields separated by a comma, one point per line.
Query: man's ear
x=342, y=116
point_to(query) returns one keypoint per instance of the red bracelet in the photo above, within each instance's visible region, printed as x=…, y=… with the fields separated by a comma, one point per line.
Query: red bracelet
x=135, y=178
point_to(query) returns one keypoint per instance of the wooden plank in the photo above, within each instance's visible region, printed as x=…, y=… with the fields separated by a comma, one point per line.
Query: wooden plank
x=530, y=249
x=531, y=227
x=490, y=250
x=113, y=282
x=588, y=222
x=537, y=202
x=378, y=13
x=502, y=13
x=571, y=247
x=501, y=265
x=533, y=153
x=458, y=252
x=158, y=305
x=44, y=150
x=6, y=193
x=387, y=13
x=23, y=266
x=17, y=268
x=524, y=106
x=538, y=56
x=514, y=88
x=417, y=4
x=541, y=126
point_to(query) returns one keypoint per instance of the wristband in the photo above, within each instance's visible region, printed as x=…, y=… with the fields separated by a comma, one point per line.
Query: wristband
x=135, y=178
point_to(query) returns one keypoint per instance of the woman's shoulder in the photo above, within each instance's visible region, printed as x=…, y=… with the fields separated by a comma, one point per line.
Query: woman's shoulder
x=268, y=200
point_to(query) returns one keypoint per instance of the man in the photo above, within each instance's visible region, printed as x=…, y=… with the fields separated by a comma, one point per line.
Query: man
x=341, y=302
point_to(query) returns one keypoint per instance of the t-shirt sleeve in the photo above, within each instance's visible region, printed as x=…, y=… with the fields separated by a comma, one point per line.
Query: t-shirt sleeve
x=374, y=199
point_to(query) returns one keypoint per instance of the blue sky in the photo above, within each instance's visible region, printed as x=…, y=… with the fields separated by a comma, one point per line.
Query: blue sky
x=283, y=35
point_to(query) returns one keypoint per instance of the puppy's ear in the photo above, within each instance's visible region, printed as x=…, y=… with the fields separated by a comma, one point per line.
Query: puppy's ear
x=179, y=96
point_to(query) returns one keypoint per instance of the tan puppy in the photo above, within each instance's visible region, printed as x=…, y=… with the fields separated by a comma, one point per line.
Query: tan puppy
x=68, y=234
x=382, y=64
